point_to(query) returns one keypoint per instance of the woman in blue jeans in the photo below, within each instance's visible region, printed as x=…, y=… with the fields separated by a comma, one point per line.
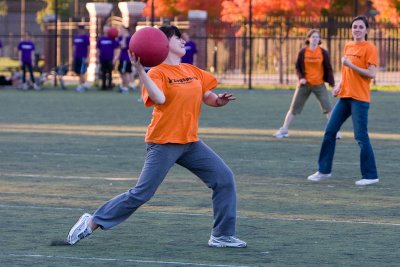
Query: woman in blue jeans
x=360, y=60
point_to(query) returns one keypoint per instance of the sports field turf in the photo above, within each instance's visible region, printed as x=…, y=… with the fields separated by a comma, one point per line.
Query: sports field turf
x=63, y=153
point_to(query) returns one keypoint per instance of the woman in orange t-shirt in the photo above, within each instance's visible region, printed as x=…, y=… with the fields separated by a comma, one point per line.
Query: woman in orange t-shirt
x=313, y=68
x=176, y=91
x=360, y=63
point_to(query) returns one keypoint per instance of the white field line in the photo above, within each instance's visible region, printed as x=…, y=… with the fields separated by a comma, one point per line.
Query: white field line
x=275, y=218
x=118, y=130
x=337, y=162
x=69, y=177
x=176, y=263
x=169, y=179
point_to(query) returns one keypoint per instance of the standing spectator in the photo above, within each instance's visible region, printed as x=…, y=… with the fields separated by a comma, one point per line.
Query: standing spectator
x=125, y=65
x=313, y=68
x=360, y=62
x=191, y=50
x=176, y=93
x=81, y=47
x=106, y=47
x=26, y=48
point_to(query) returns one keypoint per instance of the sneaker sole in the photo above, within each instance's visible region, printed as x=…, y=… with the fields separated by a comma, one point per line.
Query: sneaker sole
x=318, y=179
x=369, y=183
x=281, y=136
x=79, y=224
x=225, y=246
x=221, y=245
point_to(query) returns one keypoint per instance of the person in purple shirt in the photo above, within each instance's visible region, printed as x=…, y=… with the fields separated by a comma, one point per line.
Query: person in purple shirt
x=81, y=47
x=191, y=50
x=106, y=47
x=125, y=66
x=26, y=48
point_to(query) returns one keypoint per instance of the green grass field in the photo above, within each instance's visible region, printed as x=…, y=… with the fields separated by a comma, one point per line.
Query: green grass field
x=63, y=153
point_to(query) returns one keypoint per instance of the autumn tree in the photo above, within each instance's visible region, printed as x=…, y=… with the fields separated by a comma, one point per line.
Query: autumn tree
x=162, y=8
x=236, y=10
x=213, y=7
x=180, y=8
x=388, y=10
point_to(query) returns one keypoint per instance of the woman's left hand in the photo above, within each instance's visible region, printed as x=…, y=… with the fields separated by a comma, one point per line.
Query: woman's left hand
x=223, y=99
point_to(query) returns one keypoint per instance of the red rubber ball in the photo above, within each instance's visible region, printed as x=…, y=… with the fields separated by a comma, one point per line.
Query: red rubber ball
x=112, y=33
x=150, y=45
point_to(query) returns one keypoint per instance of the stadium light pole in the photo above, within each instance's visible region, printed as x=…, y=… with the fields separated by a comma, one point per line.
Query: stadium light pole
x=152, y=13
x=355, y=8
x=250, y=43
x=55, y=40
x=22, y=17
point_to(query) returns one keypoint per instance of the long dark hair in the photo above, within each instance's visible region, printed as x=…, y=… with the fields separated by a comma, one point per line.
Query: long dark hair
x=311, y=32
x=365, y=20
x=170, y=30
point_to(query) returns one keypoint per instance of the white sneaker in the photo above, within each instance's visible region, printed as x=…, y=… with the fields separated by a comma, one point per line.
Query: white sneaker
x=86, y=86
x=123, y=90
x=80, y=89
x=36, y=87
x=318, y=176
x=226, y=242
x=80, y=230
x=338, y=135
x=281, y=133
x=134, y=87
x=367, y=181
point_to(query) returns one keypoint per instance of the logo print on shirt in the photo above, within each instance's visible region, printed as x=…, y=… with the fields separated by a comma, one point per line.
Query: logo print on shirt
x=353, y=55
x=182, y=80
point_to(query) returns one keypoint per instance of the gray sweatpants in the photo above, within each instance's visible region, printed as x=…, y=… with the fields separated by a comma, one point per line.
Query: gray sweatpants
x=196, y=157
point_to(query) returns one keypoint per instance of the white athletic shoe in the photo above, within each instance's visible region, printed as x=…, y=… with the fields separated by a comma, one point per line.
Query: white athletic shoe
x=318, y=176
x=80, y=230
x=338, y=135
x=367, y=181
x=281, y=133
x=80, y=89
x=86, y=86
x=123, y=90
x=36, y=87
x=226, y=242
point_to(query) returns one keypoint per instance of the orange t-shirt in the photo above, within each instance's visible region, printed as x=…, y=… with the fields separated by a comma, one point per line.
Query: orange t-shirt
x=314, y=70
x=176, y=121
x=353, y=84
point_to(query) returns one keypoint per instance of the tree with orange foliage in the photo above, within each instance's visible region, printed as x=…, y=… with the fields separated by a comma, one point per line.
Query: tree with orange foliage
x=213, y=7
x=388, y=10
x=173, y=8
x=162, y=8
x=236, y=10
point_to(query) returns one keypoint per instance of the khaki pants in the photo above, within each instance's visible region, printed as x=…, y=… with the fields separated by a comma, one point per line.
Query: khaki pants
x=303, y=92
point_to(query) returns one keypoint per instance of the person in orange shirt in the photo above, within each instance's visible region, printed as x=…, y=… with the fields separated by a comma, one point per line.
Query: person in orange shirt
x=313, y=68
x=176, y=92
x=360, y=61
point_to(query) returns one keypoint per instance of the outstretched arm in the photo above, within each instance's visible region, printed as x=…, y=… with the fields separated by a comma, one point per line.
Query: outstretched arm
x=219, y=100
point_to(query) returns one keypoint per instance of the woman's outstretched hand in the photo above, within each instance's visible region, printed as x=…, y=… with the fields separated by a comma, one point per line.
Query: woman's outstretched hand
x=223, y=99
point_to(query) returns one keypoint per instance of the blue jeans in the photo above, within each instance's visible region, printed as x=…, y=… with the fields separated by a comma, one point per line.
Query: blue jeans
x=343, y=109
x=198, y=158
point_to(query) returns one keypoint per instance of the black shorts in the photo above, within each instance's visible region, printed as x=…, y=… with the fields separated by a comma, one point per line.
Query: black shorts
x=125, y=66
x=80, y=66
